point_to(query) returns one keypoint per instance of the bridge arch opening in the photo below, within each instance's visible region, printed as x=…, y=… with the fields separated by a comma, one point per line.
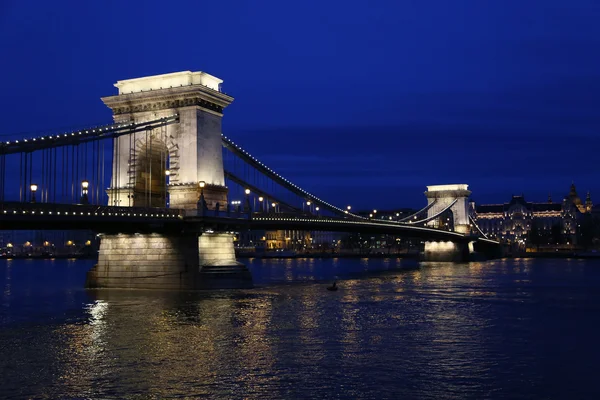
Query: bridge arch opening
x=148, y=169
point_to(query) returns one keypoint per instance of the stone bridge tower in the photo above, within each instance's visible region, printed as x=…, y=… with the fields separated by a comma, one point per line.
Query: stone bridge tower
x=190, y=151
x=455, y=196
x=167, y=165
x=445, y=195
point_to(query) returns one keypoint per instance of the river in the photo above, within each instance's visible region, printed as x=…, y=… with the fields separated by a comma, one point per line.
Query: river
x=503, y=329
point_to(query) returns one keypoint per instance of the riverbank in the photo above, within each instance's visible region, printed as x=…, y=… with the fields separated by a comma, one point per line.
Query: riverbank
x=327, y=255
x=557, y=254
x=50, y=257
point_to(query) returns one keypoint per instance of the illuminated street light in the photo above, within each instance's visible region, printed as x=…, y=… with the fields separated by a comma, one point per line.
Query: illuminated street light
x=370, y=215
x=349, y=208
x=247, y=191
x=374, y=211
x=167, y=172
x=84, y=191
x=34, y=189
x=260, y=198
x=201, y=202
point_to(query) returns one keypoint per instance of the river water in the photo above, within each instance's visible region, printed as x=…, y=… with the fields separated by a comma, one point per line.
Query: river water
x=504, y=329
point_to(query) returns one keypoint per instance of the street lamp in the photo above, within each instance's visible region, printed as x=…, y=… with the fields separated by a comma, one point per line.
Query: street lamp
x=247, y=191
x=167, y=172
x=84, y=191
x=201, y=203
x=34, y=189
x=374, y=211
x=260, y=201
x=349, y=208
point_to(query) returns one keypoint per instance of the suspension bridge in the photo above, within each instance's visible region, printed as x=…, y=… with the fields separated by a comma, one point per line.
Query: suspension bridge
x=157, y=184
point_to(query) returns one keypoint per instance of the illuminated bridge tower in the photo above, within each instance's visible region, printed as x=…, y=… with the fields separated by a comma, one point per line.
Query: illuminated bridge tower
x=454, y=198
x=169, y=165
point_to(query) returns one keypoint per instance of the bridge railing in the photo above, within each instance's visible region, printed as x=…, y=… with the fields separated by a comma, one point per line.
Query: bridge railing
x=73, y=210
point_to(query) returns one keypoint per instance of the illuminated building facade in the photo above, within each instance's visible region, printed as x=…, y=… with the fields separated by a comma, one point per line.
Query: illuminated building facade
x=513, y=221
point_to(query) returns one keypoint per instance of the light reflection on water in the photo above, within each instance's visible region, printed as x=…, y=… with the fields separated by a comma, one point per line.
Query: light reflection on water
x=503, y=329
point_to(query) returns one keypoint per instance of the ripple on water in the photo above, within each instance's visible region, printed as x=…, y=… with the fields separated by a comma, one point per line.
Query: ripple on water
x=507, y=329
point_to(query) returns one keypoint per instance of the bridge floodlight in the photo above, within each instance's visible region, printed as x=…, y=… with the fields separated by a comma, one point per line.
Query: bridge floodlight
x=247, y=191
x=317, y=208
x=308, y=203
x=260, y=198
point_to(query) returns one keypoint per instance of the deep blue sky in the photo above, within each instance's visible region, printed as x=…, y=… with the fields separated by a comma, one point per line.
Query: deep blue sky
x=362, y=103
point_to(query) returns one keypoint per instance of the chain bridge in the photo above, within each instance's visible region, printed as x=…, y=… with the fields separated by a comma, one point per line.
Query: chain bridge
x=158, y=186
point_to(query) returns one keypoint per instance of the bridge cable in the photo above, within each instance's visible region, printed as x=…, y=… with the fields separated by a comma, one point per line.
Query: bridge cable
x=477, y=226
x=436, y=215
x=230, y=145
x=427, y=207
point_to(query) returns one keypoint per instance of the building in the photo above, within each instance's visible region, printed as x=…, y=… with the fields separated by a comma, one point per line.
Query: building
x=513, y=222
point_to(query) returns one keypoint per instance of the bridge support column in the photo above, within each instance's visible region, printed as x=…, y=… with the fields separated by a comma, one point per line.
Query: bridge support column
x=453, y=196
x=168, y=261
x=447, y=251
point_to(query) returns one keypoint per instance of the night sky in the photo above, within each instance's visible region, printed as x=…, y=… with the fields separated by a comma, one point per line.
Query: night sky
x=361, y=103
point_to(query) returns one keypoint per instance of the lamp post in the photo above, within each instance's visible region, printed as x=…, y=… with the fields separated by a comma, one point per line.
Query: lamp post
x=260, y=202
x=308, y=204
x=317, y=210
x=84, y=191
x=247, y=192
x=273, y=205
x=201, y=202
x=34, y=189
x=167, y=179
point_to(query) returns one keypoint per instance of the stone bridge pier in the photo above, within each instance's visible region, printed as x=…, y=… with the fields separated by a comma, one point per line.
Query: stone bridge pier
x=174, y=165
x=455, y=199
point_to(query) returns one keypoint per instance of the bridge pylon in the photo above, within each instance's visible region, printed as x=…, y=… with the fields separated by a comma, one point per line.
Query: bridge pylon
x=185, y=154
x=453, y=198
x=174, y=165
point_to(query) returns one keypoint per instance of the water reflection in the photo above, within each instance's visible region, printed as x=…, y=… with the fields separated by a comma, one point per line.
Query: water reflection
x=444, y=331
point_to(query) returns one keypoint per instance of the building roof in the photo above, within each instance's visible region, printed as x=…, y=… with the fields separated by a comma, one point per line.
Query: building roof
x=500, y=208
